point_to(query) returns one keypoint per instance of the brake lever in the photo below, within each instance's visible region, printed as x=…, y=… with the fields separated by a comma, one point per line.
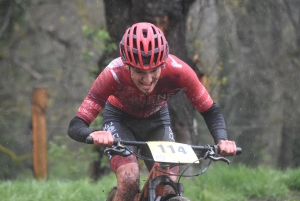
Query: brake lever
x=114, y=150
x=119, y=149
x=219, y=158
x=210, y=154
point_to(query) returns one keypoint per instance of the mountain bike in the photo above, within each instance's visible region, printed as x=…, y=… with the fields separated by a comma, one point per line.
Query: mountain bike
x=167, y=155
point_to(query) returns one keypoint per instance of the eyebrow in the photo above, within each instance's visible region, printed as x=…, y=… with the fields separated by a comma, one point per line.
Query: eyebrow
x=144, y=71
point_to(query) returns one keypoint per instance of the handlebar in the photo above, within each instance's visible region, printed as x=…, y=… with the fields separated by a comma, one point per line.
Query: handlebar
x=215, y=148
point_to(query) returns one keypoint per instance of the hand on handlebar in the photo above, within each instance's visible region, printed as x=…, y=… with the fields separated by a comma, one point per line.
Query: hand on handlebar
x=102, y=138
x=227, y=148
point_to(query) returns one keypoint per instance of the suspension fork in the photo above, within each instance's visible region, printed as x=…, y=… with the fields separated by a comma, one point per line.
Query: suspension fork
x=156, y=181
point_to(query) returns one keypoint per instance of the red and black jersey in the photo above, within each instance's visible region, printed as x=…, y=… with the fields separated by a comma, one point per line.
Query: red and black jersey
x=114, y=84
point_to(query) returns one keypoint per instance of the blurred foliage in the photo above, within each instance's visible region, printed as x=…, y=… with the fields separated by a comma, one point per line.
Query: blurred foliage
x=100, y=40
x=212, y=71
x=68, y=164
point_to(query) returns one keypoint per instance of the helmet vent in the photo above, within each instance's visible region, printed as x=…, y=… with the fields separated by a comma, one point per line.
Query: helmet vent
x=146, y=61
x=155, y=58
x=134, y=43
x=156, y=42
x=144, y=31
x=134, y=31
x=130, y=59
x=154, y=32
x=136, y=58
x=127, y=40
x=161, y=56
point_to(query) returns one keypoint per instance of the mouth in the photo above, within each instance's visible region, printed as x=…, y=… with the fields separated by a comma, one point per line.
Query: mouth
x=146, y=87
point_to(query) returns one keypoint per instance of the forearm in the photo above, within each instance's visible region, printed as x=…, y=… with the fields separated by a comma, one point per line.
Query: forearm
x=215, y=123
x=79, y=130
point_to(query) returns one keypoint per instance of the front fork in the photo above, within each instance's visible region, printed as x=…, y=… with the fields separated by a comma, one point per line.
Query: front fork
x=159, y=183
x=160, y=177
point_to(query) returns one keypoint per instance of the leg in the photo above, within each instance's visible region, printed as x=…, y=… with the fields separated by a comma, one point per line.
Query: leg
x=128, y=177
x=125, y=167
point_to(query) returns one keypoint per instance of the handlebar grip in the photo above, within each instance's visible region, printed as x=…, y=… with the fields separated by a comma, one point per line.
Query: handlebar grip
x=238, y=150
x=89, y=140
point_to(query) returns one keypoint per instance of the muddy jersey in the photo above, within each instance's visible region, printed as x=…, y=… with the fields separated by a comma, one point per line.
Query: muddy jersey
x=114, y=84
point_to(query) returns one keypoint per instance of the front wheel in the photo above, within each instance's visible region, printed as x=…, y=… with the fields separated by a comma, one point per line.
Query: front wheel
x=178, y=198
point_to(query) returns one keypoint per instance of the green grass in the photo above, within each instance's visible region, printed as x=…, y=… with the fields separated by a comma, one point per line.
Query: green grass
x=238, y=183
x=56, y=190
x=220, y=182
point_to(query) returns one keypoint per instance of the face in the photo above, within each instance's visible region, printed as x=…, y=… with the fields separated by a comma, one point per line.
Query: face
x=145, y=80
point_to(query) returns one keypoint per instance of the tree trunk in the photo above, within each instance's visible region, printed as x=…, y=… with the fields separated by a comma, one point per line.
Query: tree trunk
x=287, y=146
x=289, y=150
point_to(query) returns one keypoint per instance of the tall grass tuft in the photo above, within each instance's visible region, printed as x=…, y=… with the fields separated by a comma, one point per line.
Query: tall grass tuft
x=292, y=179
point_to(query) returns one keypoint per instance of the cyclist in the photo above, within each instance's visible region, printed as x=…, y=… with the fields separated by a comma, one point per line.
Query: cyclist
x=133, y=91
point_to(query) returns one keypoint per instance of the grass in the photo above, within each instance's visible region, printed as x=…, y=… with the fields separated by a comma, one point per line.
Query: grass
x=55, y=189
x=239, y=183
x=220, y=182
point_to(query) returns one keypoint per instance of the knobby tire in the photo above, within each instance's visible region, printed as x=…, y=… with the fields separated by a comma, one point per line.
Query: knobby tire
x=179, y=198
x=112, y=193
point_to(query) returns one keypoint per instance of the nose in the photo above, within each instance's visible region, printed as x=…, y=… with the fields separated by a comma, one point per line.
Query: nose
x=147, y=78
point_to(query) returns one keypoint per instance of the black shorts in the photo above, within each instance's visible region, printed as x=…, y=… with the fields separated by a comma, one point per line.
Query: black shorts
x=128, y=127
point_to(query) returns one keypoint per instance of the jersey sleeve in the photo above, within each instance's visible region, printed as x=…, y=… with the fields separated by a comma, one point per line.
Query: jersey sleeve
x=191, y=85
x=104, y=86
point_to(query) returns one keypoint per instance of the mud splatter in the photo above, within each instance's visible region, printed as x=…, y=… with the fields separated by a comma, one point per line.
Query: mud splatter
x=128, y=182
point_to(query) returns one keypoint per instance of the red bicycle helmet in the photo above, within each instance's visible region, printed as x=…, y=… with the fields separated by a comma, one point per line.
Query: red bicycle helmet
x=144, y=46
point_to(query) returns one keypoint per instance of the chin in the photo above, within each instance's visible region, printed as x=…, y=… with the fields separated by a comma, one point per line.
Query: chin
x=146, y=92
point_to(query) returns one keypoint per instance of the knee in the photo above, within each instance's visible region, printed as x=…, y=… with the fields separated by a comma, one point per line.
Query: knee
x=128, y=173
x=117, y=161
x=126, y=169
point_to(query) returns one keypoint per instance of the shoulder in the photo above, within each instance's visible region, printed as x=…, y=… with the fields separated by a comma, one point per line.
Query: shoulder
x=116, y=66
x=114, y=71
x=116, y=63
x=175, y=64
x=177, y=70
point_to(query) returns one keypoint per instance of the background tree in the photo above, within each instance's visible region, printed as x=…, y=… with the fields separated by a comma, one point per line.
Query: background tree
x=290, y=62
x=259, y=98
x=12, y=113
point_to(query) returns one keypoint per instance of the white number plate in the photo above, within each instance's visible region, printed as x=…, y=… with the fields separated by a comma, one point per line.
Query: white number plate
x=172, y=152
